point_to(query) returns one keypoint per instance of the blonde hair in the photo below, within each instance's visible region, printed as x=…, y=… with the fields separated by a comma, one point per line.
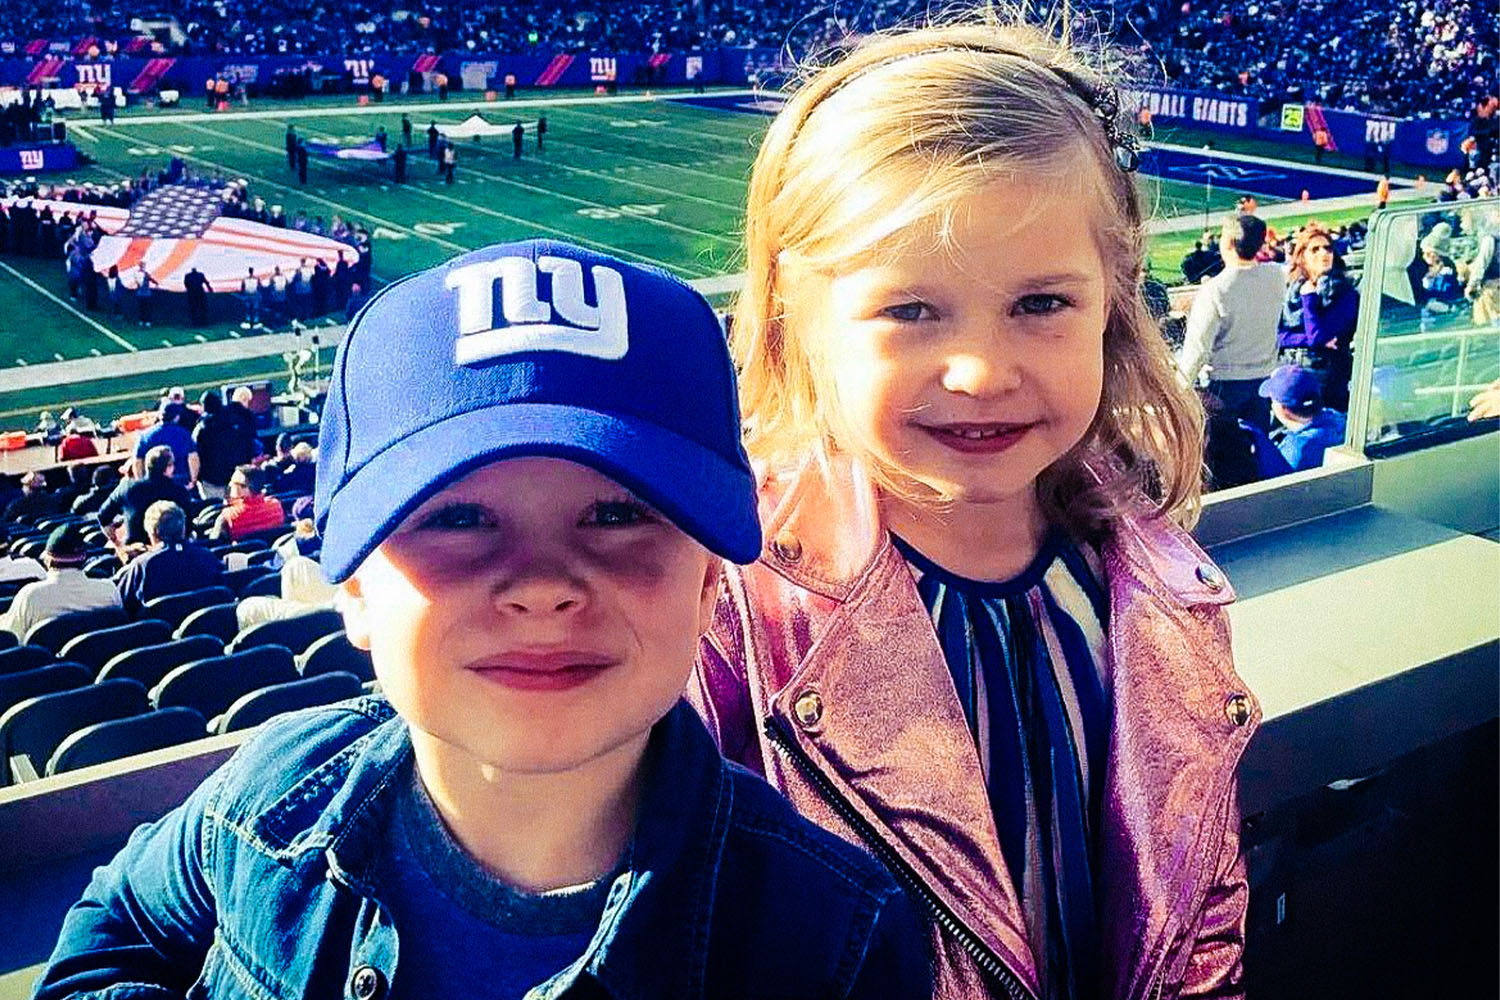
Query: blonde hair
x=896, y=133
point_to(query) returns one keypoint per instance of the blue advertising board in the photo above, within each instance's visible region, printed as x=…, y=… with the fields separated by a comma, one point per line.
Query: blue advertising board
x=38, y=159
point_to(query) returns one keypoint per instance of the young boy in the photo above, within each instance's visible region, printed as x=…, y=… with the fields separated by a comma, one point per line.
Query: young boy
x=523, y=498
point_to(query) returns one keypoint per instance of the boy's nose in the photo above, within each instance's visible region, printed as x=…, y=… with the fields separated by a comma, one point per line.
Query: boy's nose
x=539, y=593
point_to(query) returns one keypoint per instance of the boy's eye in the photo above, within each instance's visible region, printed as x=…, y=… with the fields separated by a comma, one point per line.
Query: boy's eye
x=909, y=312
x=1042, y=304
x=618, y=514
x=455, y=517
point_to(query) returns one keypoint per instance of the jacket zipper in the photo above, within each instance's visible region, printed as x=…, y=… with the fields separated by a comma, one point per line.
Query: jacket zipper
x=984, y=957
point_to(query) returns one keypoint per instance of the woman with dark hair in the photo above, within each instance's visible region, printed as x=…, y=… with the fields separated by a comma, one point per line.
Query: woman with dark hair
x=1320, y=314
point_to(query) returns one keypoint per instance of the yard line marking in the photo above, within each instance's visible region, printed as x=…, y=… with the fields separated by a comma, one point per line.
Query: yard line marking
x=58, y=355
x=235, y=334
x=165, y=343
x=471, y=207
x=200, y=338
x=599, y=204
x=21, y=362
x=69, y=307
x=614, y=178
x=96, y=352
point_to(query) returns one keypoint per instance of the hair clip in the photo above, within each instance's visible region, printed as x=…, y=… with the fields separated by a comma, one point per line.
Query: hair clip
x=1105, y=101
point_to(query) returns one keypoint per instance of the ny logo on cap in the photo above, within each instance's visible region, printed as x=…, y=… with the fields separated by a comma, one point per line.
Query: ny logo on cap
x=593, y=331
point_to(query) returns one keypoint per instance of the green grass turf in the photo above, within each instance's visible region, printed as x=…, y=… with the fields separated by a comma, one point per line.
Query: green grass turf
x=659, y=182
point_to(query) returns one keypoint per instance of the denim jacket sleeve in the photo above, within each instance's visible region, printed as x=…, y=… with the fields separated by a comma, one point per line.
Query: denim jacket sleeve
x=147, y=919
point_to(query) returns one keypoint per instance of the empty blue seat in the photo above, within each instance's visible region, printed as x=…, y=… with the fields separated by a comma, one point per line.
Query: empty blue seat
x=334, y=652
x=54, y=633
x=34, y=728
x=174, y=608
x=258, y=706
x=295, y=633
x=210, y=686
x=16, y=688
x=19, y=658
x=149, y=664
x=237, y=579
x=95, y=649
x=218, y=620
x=118, y=738
x=268, y=585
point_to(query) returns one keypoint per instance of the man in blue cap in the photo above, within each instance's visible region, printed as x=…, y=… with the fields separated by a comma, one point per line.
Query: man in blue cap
x=529, y=469
x=1309, y=427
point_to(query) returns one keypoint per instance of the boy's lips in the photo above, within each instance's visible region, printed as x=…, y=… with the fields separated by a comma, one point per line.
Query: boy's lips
x=549, y=670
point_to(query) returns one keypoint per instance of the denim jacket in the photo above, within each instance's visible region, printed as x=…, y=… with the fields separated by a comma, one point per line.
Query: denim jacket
x=264, y=885
x=822, y=672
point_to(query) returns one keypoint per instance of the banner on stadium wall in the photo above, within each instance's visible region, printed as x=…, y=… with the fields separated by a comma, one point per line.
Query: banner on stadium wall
x=38, y=159
x=1199, y=109
x=1429, y=142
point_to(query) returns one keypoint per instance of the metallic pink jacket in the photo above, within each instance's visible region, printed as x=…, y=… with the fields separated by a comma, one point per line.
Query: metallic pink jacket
x=822, y=672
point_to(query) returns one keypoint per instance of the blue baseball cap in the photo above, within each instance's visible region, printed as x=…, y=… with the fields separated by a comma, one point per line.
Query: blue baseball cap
x=1294, y=386
x=533, y=348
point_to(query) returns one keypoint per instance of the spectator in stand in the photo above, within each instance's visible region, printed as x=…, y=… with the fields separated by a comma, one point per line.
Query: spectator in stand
x=249, y=509
x=172, y=565
x=75, y=444
x=303, y=589
x=174, y=433
x=35, y=502
x=14, y=567
x=104, y=480
x=1202, y=262
x=133, y=496
x=1308, y=428
x=357, y=300
x=1320, y=314
x=296, y=473
x=238, y=408
x=223, y=445
x=1231, y=331
x=65, y=588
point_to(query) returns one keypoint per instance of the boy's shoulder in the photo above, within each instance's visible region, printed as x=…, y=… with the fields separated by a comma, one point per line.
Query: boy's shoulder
x=789, y=856
x=311, y=751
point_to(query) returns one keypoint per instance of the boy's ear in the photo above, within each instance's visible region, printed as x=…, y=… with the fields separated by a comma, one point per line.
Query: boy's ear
x=713, y=579
x=351, y=602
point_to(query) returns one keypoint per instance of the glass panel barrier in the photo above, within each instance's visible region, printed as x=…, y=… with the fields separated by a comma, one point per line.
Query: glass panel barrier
x=1429, y=329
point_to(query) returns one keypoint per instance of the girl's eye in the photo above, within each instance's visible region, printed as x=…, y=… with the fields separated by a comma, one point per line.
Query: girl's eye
x=909, y=312
x=618, y=514
x=455, y=517
x=1042, y=304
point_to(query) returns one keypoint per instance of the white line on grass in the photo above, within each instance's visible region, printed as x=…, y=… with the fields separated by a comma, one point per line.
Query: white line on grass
x=69, y=307
x=21, y=362
x=431, y=109
x=471, y=207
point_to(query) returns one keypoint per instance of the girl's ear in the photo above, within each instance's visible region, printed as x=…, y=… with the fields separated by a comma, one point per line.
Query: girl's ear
x=351, y=602
x=713, y=581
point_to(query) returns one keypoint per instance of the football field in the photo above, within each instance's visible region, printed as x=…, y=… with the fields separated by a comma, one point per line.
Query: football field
x=659, y=180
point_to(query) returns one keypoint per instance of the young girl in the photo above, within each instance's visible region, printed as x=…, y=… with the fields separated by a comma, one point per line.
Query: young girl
x=972, y=643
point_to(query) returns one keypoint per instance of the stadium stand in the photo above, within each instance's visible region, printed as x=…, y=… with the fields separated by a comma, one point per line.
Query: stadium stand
x=335, y=653
x=174, y=608
x=149, y=664
x=103, y=742
x=258, y=706
x=18, y=687
x=95, y=649
x=20, y=658
x=54, y=633
x=211, y=685
x=217, y=620
x=295, y=633
x=31, y=730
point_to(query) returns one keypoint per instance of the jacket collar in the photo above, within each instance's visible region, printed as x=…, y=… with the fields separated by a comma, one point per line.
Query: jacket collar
x=652, y=939
x=824, y=534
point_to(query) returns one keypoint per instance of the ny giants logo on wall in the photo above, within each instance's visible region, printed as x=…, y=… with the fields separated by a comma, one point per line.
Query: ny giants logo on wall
x=93, y=74
x=32, y=159
x=529, y=322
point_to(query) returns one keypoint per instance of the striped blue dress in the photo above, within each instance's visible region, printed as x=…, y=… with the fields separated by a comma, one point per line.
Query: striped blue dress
x=1027, y=656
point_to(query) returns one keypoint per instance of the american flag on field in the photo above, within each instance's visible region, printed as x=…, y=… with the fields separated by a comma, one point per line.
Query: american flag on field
x=177, y=228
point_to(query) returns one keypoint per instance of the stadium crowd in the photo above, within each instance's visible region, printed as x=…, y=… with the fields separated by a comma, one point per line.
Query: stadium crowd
x=1409, y=58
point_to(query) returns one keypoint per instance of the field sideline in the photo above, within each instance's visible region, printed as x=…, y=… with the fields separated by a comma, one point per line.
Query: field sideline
x=651, y=178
